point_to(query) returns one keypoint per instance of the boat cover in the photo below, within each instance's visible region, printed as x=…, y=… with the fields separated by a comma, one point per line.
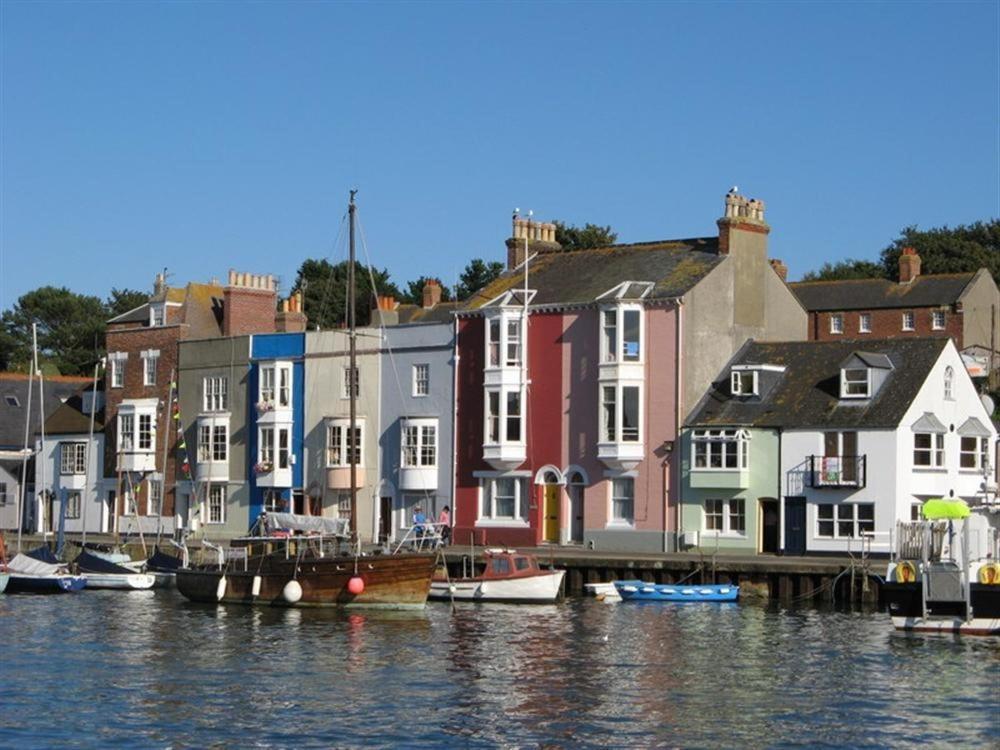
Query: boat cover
x=112, y=557
x=161, y=562
x=89, y=563
x=45, y=555
x=30, y=566
x=317, y=524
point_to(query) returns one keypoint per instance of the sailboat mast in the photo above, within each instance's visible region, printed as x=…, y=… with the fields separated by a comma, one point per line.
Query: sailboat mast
x=352, y=383
x=90, y=445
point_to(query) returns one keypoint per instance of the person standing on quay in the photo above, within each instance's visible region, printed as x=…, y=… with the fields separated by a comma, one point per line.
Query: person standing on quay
x=444, y=520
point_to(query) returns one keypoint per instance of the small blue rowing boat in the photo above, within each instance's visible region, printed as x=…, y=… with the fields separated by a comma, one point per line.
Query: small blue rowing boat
x=641, y=591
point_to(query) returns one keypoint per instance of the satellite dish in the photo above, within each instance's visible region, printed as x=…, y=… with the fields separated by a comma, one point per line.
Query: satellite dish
x=988, y=404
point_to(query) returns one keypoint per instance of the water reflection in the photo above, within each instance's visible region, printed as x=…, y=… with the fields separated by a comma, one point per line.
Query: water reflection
x=150, y=669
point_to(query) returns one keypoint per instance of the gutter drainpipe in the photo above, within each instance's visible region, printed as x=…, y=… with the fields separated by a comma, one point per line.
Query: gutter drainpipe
x=454, y=428
x=678, y=527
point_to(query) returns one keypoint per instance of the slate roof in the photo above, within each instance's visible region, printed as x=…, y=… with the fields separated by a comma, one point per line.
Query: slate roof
x=201, y=309
x=56, y=390
x=440, y=313
x=70, y=418
x=874, y=294
x=808, y=392
x=579, y=276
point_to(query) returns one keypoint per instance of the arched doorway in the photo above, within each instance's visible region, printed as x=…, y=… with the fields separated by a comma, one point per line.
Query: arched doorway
x=551, y=480
x=575, y=484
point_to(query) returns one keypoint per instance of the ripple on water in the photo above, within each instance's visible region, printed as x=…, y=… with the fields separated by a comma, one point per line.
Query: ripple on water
x=149, y=669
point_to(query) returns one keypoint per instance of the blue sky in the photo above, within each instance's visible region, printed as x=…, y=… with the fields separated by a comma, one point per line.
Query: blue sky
x=204, y=136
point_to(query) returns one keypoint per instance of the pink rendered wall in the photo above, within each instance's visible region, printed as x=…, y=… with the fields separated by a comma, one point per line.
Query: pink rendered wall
x=581, y=352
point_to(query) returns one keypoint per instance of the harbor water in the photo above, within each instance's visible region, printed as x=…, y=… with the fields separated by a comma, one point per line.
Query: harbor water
x=151, y=670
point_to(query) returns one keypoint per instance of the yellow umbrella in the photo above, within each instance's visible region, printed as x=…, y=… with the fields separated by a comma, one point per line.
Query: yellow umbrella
x=942, y=508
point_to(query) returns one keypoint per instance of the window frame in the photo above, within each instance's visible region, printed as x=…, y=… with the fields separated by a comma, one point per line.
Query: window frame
x=150, y=362
x=864, y=322
x=909, y=320
x=836, y=323
x=837, y=517
x=737, y=381
x=949, y=383
x=213, y=502
x=73, y=500
x=346, y=384
x=724, y=517
x=338, y=436
x=980, y=453
x=846, y=383
x=488, y=499
x=72, y=457
x=497, y=423
x=421, y=452
x=118, y=372
x=421, y=379
x=621, y=499
x=215, y=393
x=934, y=451
x=612, y=423
x=731, y=442
x=935, y=325
x=616, y=341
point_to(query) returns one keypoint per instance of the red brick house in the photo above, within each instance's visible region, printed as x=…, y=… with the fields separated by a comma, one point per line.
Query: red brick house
x=960, y=306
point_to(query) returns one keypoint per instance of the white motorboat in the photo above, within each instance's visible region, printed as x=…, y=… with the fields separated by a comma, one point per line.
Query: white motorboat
x=509, y=576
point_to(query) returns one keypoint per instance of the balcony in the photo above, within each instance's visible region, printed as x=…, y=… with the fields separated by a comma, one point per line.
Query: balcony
x=836, y=472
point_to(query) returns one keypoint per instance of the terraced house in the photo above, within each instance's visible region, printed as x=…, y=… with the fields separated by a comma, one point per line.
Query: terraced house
x=575, y=370
x=817, y=447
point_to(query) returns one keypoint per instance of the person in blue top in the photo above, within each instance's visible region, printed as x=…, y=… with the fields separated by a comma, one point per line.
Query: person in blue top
x=419, y=521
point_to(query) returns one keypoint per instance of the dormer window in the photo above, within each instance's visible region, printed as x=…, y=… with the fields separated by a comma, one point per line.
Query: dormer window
x=743, y=383
x=157, y=315
x=855, y=383
x=504, y=342
x=513, y=348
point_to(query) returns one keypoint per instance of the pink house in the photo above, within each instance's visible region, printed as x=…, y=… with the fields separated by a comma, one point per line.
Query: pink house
x=573, y=379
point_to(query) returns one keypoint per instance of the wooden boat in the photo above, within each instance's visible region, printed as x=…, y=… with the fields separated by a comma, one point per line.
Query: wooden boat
x=31, y=576
x=944, y=576
x=309, y=569
x=102, y=574
x=508, y=576
x=641, y=591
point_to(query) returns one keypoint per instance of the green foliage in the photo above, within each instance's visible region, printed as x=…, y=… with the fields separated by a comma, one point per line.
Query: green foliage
x=476, y=275
x=414, y=293
x=845, y=269
x=582, y=238
x=324, y=291
x=962, y=249
x=120, y=301
x=70, y=331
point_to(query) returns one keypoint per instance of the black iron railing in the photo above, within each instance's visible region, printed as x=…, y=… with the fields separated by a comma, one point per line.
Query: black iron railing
x=837, y=471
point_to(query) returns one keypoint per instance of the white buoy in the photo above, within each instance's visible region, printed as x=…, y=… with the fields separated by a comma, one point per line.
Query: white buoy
x=292, y=591
x=256, y=585
x=220, y=590
x=452, y=588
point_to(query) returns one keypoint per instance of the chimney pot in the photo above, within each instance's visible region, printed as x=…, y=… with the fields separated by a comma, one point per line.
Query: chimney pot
x=909, y=265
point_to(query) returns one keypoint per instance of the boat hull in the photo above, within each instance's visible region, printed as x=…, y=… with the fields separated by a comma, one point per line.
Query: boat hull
x=537, y=589
x=641, y=591
x=905, y=604
x=390, y=582
x=4, y=578
x=120, y=581
x=59, y=584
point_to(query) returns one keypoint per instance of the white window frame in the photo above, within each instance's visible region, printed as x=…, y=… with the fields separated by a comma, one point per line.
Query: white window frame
x=345, y=391
x=616, y=432
x=503, y=417
x=744, y=382
x=938, y=320
x=909, y=320
x=949, y=383
x=72, y=458
x=839, y=514
x=837, y=323
x=215, y=393
x=846, y=383
x=421, y=379
x=126, y=429
x=488, y=496
x=935, y=451
x=614, y=346
x=273, y=501
x=865, y=323
x=418, y=444
x=338, y=433
x=733, y=447
x=145, y=434
x=213, y=442
x=215, y=501
x=494, y=337
x=154, y=496
x=504, y=340
x=73, y=500
x=265, y=448
x=980, y=453
x=150, y=361
x=157, y=315
x=274, y=387
x=619, y=496
x=730, y=512
x=117, y=361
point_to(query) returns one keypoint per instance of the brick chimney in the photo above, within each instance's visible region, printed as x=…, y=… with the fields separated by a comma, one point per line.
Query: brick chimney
x=388, y=310
x=249, y=303
x=909, y=265
x=742, y=215
x=779, y=268
x=432, y=293
x=540, y=237
x=291, y=317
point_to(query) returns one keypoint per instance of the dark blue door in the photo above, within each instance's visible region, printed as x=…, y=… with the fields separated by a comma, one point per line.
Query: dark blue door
x=795, y=526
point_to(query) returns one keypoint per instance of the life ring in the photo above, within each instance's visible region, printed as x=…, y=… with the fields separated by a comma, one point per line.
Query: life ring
x=905, y=572
x=989, y=573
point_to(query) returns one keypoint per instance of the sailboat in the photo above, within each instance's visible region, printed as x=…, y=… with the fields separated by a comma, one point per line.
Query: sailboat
x=309, y=561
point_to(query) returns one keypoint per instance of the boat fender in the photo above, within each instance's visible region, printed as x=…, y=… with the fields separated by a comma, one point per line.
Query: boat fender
x=989, y=573
x=292, y=591
x=482, y=588
x=452, y=588
x=905, y=572
x=356, y=585
x=255, y=589
x=220, y=590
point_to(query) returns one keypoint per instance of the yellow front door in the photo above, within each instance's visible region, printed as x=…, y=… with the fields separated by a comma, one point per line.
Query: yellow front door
x=552, y=513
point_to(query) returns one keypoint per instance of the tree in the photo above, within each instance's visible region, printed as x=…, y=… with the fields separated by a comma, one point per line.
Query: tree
x=476, y=275
x=324, y=291
x=414, y=293
x=582, y=238
x=961, y=249
x=845, y=269
x=121, y=301
x=70, y=331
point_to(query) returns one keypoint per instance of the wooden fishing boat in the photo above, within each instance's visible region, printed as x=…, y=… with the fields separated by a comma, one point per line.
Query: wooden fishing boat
x=641, y=591
x=508, y=576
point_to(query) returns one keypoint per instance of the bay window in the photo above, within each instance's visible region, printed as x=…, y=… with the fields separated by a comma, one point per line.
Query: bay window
x=716, y=450
x=620, y=407
x=145, y=432
x=275, y=389
x=340, y=447
x=503, y=410
x=513, y=356
x=213, y=442
x=493, y=342
x=265, y=453
x=419, y=446
x=621, y=334
x=73, y=458
x=126, y=432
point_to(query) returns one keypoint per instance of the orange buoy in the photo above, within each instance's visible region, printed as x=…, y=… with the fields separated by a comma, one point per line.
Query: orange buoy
x=356, y=585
